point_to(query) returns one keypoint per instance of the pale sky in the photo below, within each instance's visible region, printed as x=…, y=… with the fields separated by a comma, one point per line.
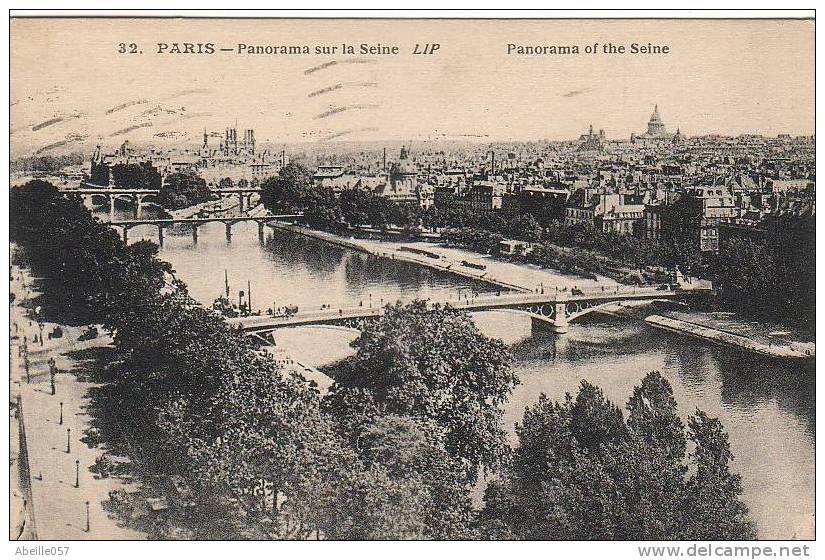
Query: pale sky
x=725, y=76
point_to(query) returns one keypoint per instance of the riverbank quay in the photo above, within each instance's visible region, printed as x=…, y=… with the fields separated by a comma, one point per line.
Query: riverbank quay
x=507, y=275
x=788, y=350
x=68, y=498
x=85, y=447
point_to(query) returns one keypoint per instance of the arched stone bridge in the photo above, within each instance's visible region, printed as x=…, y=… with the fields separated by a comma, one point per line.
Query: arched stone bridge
x=555, y=309
x=90, y=192
x=229, y=221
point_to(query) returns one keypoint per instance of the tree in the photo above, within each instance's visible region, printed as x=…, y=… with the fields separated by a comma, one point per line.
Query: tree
x=289, y=191
x=581, y=471
x=746, y=273
x=374, y=506
x=526, y=228
x=712, y=506
x=183, y=189
x=406, y=216
x=774, y=276
x=323, y=212
x=355, y=206
x=136, y=176
x=681, y=226
x=412, y=450
x=434, y=364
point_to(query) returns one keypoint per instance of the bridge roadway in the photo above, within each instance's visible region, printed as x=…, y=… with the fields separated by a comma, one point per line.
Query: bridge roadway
x=554, y=308
x=136, y=196
x=166, y=222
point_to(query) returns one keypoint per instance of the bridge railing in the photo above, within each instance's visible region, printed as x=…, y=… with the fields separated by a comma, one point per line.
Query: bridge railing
x=466, y=302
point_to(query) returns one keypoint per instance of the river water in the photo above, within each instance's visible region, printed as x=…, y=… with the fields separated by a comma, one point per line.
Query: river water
x=766, y=405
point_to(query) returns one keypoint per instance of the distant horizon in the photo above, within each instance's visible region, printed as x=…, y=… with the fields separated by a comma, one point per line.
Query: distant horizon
x=214, y=141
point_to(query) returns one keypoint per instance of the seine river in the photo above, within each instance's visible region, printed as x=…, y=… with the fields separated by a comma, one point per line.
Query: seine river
x=766, y=405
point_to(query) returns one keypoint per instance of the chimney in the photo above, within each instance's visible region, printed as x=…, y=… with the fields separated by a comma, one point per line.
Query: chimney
x=385, y=160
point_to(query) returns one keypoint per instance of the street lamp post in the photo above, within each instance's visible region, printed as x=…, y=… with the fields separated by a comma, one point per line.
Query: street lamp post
x=52, y=371
x=87, y=516
x=68, y=440
x=61, y=414
x=40, y=326
x=77, y=473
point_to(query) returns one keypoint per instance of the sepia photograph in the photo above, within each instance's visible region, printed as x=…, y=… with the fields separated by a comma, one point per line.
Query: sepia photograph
x=434, y=277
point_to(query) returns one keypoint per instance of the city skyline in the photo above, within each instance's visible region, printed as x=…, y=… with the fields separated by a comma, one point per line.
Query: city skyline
x=717, y=79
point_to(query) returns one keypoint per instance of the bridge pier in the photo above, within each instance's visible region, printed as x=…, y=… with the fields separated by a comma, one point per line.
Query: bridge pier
x=138, y=205
x=240, y=201
x=112, y=208
x=228, y=232
x=160, y=236
x=195, y=234
x=125, y=235
x=560, y=322
x=261, y=237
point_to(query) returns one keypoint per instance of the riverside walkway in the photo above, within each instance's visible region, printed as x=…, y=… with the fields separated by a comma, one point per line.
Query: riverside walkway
x=54, y=455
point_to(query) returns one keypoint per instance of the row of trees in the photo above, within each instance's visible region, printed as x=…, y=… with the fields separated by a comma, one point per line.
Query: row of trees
x=394, y=448
x=628, y=250
x=141, y=175
x=773, y=277
x=293, y=191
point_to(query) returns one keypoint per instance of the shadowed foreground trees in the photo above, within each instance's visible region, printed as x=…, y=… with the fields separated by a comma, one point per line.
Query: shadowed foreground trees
x=583, y=471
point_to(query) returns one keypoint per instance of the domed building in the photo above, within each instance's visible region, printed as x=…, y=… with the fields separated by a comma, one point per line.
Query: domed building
x=678, y=138
x=655, y=126
x=403, y=180
x=656, y=131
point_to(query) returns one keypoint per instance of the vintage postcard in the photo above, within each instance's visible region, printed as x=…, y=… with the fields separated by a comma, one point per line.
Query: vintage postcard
x=384, y=278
